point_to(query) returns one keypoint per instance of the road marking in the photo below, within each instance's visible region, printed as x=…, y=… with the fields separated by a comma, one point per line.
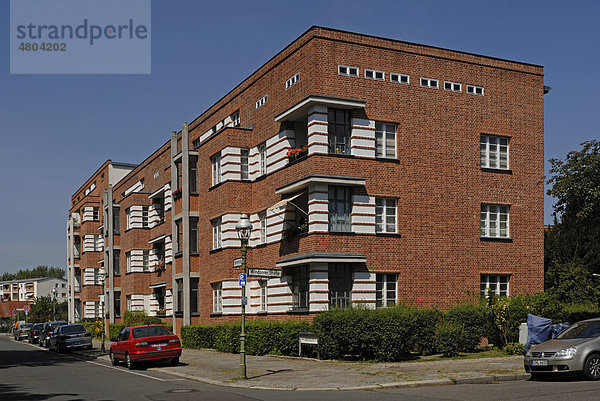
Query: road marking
x=101, y=364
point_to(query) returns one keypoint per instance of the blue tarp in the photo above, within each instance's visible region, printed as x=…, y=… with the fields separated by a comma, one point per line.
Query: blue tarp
x=539, y=329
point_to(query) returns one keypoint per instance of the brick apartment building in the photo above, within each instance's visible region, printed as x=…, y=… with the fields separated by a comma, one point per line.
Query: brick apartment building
x=419, y=180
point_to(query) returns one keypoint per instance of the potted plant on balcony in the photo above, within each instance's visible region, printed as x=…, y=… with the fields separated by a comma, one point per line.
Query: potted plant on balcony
x=161, y=312
x=177, y=193
x=161, y=266
x=296, y=154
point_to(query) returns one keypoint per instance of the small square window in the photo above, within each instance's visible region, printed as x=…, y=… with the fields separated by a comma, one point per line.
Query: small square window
x=475, y=90
x=429, y=83
x=292, y=81
x=399, y=78
x=347, y=70
x=261, y=102
x=373, y=74
x=452, y=86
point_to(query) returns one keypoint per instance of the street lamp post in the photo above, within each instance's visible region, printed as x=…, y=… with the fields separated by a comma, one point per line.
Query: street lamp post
x=54, y=303
x=102, y=279
x=244, y=227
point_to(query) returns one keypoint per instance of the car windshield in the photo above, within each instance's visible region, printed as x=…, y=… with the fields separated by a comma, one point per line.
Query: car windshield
x=581, y=330
x=73, y=329
x=38, y=326
x=26, y=325
x=150, y=331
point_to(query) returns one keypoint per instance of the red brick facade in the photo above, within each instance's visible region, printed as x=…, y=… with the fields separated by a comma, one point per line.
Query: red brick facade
x=436, y=178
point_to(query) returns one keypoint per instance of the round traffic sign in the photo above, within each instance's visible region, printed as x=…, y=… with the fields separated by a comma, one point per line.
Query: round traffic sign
x=26, y=308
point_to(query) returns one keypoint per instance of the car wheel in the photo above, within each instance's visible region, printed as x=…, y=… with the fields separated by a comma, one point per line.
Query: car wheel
x=113, y=360
x=174, y=361
x=129, y=362
x=591, y=367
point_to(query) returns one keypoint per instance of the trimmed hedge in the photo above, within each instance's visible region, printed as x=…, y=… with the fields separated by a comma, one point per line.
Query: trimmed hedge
x=279, y=338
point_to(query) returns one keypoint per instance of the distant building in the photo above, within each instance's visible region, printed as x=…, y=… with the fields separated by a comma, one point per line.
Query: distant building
x=29, y=289
x=374, y=172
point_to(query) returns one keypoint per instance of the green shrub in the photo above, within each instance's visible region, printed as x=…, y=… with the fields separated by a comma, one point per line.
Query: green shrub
x=93, y=325
x=449, y=337
x=424, y=333
x=514, y=349
x=114, y=329
x=473, y=318
x=139, y=318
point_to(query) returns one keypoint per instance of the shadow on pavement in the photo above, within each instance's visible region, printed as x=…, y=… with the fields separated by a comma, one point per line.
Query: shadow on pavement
x=9, y=392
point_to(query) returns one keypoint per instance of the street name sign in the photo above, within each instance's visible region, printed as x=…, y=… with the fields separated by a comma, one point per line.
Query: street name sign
x=264, y=272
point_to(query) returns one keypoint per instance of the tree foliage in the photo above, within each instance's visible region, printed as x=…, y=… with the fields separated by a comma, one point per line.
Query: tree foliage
x=572, y=246
x=44, y=307
x=37, y=272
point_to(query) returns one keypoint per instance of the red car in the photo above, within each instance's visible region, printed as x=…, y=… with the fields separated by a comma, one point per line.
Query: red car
x=145, y=343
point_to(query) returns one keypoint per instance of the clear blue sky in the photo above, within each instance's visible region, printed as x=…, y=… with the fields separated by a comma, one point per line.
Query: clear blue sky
x=57, y=129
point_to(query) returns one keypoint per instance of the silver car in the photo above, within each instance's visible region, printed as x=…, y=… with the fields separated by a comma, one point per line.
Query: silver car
x=577, y=349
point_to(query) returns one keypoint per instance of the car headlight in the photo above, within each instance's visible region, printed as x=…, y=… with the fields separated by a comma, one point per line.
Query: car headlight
x=567, y=352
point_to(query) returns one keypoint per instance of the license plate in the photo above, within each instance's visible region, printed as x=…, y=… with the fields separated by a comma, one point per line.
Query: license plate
x=539, y=362
x=159, y=348
x=159, y=345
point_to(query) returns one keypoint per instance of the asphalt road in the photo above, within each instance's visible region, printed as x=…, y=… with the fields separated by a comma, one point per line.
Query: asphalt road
x=28, y=372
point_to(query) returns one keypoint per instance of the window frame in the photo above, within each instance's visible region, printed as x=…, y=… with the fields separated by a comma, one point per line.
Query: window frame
x=215, y=161
x=452, y=86
x=263, y=296
x=472, y=90
x=345, y=202
x=339, y=292
x=384, y=139
x=293, y=80
x=217, y=233
x=145, y=260
x=262, y=156
x=484, y=285
x=300, y=287
x=383, y=229
x=128, y=262
x=372, y=74
x=217, y=289
x=262, y=101
x=348, y=70
x=485, y=144
x=244, y=164
x=398, y=78
x=333, y=126
x=383, y=281
x=485, y=225
x=429, y=83
x=145, y=216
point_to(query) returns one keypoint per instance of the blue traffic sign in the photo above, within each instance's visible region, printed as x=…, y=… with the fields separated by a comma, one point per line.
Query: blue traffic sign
x=242, y=280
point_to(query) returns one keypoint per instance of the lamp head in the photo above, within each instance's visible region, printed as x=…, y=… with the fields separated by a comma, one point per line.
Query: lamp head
x=244, y=227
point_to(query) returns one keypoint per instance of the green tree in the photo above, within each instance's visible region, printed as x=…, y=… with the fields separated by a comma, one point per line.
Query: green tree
x=37, y=272
x=572, y=246
x=43, y=307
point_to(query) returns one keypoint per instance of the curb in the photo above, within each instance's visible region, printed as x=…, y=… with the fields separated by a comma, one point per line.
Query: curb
x=384, y=386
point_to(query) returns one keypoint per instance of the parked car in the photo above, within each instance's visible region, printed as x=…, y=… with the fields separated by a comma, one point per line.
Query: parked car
x=145, y=343
x=22, y=331
x=47, y=330
x=577, y=349
x=34, y=333
x=70, y=336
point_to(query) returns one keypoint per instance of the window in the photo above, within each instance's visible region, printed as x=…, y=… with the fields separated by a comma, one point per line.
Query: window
x=493, y=152
x=217, y=297
x=128, y=215
x=128, y=305
x=146, y=260
x=399, y=78
x=262, y=287
x=340, y=285
x=98, y=243
x=385, y=290
x=338, y=129
x=262, y=217
x=216, y=168
x=128, y=258
x=97, y=277
x=194, y=295
x=261, y=102
x=96, y=309
x=158, y=204
x=292, y=81
x=475, y=90
x=385, y=140
x=96, y=213
x=216, y=225
x=494, y=221
x=116, y=220
x=117, y=303
x=145, y=216
x=235, y=119
x=193, y=176
x=385, y=215
x=494, y=284
x=179, y=284
x=300, y=287
x=193, y=235
x=347, y=70
x=429, y=83
x=244, y=163
x=340, y=207
x=159, y=296
x=117, y=262
x=262, y=152
x=373, y=74
x=452, y=86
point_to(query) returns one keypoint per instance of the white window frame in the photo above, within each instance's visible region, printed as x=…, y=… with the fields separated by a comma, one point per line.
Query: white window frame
x=374, y=74
x=491, y=221
x=97, y=277
x=128, y=297
x=244, y=164
x=474, y=89
x=262, y=292
x=491, y=152
x=453, y=86
x=145, y=216
x=399, y=78
x=215, y=162
x=217, y=233
x=262, y=101
x=128, y=261
x=262, y=155
x=262, y=218
x=347, y=70
x=217, y=297
x=98, y=243
x=382, y=136
x=385, y=280
x=128, y=217
x=487, y=281
x=429, y=83
x=235, y=119
x=292, y=81
x=95, y=213
x=382, y=209
x=146, y=260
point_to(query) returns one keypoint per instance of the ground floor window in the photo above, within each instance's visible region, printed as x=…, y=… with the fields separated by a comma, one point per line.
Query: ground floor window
x=494, y=284
x=179, y=283
x=386, y=290
x=159, y=295
x=117, y=303
x=300, y=278
x=194, y=295
x=340, y=285
x=263, y=295
x=217, y=297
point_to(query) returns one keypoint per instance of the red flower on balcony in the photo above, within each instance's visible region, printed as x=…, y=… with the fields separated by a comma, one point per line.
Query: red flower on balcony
x=297, y=153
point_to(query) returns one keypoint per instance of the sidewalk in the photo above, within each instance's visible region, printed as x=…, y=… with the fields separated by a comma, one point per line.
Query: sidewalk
x=287, y=373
